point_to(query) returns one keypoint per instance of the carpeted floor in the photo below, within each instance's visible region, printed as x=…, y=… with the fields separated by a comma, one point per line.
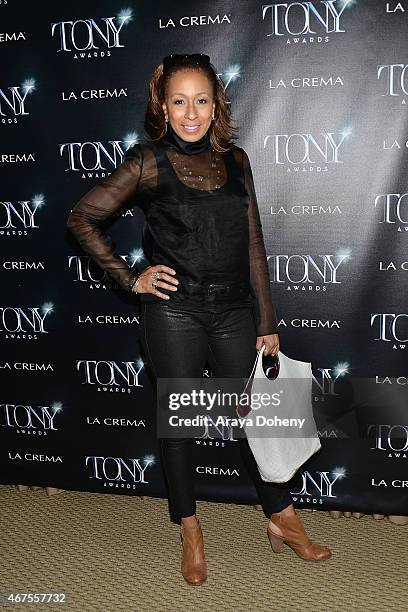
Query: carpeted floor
x=113, y=553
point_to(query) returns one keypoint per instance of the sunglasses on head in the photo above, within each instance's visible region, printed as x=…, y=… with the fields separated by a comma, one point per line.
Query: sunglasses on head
x=175, y=59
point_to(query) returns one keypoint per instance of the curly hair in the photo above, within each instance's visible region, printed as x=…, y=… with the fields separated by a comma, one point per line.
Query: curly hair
x=222, y=133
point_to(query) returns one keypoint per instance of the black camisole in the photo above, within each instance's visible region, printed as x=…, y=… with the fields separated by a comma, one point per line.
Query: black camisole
x=203, y=235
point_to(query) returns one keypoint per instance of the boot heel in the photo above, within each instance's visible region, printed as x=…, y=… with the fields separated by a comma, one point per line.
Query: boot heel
x=276, y=543
x=294, y=535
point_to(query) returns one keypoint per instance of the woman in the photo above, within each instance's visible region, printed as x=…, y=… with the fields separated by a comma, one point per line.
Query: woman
x=207, y=290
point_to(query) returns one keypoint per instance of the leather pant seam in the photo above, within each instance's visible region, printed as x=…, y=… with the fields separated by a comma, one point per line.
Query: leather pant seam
x=213, y=354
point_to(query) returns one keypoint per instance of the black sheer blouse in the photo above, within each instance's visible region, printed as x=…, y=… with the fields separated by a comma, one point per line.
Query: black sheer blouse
x=202, y=219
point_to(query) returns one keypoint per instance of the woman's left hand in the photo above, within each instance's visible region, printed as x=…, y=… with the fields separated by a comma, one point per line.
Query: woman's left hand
x=271, y=342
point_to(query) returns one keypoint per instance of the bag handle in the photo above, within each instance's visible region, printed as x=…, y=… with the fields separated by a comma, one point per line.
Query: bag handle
x=239, y=409
x=258, y=356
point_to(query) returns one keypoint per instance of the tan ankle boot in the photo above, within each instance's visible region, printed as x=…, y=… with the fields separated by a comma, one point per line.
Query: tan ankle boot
x=285, y=527
x=193, y=563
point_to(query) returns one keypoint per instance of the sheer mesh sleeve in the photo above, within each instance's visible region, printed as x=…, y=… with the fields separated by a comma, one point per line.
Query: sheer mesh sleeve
x=259, y=273
x=100, y=203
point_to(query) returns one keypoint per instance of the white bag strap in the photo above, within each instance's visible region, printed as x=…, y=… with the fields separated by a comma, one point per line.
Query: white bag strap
x=258, y=356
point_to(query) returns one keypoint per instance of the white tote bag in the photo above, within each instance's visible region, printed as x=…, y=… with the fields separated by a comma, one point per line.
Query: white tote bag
x=280, y=452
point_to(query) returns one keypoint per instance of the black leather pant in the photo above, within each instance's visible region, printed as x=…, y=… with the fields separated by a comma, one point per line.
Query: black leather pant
x=178, y=339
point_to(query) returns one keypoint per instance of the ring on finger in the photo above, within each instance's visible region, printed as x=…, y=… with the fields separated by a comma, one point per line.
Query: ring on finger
x=155, y=276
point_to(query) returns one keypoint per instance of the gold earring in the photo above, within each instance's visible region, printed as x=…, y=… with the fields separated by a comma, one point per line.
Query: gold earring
x=213, y=115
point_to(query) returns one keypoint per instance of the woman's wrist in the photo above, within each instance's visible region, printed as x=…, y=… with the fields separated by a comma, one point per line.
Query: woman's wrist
x=134, y=282
x=135, y=279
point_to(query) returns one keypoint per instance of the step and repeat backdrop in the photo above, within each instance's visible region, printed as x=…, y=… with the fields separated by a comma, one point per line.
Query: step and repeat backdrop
x=319, y=91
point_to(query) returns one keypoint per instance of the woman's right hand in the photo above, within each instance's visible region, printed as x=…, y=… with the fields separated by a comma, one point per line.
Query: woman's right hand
x=166, y=279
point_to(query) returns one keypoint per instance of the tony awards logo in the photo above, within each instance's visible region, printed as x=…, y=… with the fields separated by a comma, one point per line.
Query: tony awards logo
x=111, y=376
x=24, y=323
x=30, y=420
x=19, y=218
x=215, y=434
x=305, y=272
x=393, y=210
x=305, y=22
x=317, y=487
x=14, y=102
x=393, y=78
x=119, y=472
x=95, y=160
x=91, y=38
x=305, y=152
x=391, y=440
x=328, y=378
x=391, y=327
x=88, y=274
